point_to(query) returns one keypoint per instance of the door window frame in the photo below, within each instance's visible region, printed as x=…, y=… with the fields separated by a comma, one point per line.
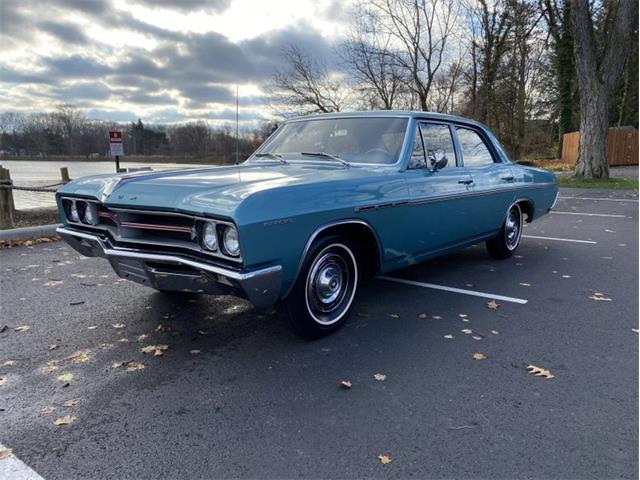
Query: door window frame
x=452, y=135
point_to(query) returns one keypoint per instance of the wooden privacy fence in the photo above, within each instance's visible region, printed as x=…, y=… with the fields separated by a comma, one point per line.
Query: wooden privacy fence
x=622, y=146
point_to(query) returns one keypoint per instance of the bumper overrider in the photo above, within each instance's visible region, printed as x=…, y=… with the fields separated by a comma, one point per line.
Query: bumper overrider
x=176, y=273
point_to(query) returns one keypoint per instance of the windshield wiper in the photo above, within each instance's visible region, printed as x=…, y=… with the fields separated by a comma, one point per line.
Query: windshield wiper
x=326, y=155
x=271, y=155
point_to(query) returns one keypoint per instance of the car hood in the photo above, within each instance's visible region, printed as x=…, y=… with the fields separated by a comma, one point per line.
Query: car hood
x=211, y=190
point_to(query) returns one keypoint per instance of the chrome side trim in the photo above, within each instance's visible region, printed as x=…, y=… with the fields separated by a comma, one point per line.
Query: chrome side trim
x=449, y=196
x=555, y=200
x=239, y=276
x=317, y=232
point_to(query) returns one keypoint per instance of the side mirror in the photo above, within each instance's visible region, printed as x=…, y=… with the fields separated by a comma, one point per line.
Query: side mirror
x=438, y=159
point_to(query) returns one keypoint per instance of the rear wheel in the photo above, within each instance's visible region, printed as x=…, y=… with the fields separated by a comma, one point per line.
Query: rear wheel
x=323, y=294
x=506, y=242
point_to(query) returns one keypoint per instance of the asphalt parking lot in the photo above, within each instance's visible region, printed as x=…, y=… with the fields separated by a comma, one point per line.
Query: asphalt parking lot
x=235, y=394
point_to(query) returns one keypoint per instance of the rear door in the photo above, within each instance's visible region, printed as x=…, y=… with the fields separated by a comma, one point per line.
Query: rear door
x=493, y=181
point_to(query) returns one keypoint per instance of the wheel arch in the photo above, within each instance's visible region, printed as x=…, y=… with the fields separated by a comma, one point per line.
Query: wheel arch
x=367, y=242
x=526, y=206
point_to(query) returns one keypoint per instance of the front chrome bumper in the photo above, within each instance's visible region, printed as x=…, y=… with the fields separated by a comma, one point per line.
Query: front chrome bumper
x=173, y=272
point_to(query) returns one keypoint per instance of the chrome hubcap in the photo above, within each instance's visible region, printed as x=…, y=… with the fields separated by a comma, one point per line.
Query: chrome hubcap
x=331, y=283
x=512, y=228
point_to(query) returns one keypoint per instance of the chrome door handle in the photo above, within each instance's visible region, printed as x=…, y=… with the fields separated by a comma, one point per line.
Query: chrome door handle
x=465, y=182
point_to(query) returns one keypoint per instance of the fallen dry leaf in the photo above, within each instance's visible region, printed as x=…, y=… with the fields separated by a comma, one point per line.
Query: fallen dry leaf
x=4, y=328
x=65, y=377
x=448, y=336
x=437, y=317
x=345, y=383
x=3, y=380
x=53, y=283
x=635, y=330
x=394, y=315
x=195, y=351
x=423, y=316
x=71, y=403
x=462, y=315
x=495, y=332
x=66, y=420
x=380, y=377
x=384, y=459
x=157, y=350
x=53, y=346
x=134, y=366
x=479, y=356
x=51, y=366
x=523, y=284
x=539, y=372
x=5, y=453
x=476, y=337
x=22, y=328
x=81, y=356
x=493, y=305
x=92, y=327
x=47, y=410
x=468, y=285
x=118, y=325
x=466, y=331
x=141, y=337
x=8, y=363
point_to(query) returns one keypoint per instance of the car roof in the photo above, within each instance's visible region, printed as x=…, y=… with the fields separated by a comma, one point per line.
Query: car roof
x=390, y=113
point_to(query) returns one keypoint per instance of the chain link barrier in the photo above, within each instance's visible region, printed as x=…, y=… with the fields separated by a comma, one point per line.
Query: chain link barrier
x=41, y=189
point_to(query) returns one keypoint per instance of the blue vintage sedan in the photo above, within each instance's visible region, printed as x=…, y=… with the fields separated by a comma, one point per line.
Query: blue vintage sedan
x=326, y=200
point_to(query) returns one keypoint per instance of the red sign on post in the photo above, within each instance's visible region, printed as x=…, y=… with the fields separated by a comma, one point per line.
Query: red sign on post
x=115, y=143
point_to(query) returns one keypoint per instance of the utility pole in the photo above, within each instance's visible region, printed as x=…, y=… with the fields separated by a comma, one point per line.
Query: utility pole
x=237, y=129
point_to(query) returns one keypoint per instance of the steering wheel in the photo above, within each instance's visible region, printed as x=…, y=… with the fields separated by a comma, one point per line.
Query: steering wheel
x=378, y=150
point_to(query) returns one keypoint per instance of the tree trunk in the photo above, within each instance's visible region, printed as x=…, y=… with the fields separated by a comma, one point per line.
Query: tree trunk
x=594, y=128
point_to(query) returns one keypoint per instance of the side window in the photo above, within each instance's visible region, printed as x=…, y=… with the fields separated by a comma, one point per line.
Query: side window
x=474, y=151
x=436, y=136
x=417, y=159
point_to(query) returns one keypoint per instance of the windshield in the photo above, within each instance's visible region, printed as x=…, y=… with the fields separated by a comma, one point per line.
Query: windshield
x=360, y=140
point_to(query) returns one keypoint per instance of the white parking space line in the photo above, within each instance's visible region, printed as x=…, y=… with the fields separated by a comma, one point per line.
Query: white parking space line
x=590, y=242
x=15, y=469
x=463, y=291
x=600, y=199
x=589, y=214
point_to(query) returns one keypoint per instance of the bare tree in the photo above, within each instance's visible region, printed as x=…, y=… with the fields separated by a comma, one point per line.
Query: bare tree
x=599, y=69
x=490, y=28
x=421, y=29
x=368, y=56
x=306, y=85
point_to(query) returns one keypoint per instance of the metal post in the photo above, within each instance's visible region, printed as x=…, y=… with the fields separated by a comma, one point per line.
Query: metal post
x=64, y=174
x=117, y=163
x=6, y=201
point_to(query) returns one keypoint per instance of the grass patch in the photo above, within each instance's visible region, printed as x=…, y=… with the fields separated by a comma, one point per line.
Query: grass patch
x=35, y=217
x=614, y=183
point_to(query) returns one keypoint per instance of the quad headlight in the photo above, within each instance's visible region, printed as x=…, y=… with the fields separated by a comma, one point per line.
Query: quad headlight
x=209, y=236
x=90, y=215
x=74, y=214
x=230, y=241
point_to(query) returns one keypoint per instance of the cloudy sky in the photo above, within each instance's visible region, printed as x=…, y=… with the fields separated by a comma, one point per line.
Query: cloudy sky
x=165, y=61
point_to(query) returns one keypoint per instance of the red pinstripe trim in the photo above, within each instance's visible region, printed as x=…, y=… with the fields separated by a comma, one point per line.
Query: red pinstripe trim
x=149, y=226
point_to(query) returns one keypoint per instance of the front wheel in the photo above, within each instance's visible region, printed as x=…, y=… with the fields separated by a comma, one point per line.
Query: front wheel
x=505, y=243
x=323, y=294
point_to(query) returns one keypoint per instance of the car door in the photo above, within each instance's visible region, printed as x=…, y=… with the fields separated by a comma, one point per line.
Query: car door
x=438, y=203
x=493, y=181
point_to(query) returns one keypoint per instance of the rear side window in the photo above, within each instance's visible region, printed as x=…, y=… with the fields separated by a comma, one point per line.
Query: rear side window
x=474, y=151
